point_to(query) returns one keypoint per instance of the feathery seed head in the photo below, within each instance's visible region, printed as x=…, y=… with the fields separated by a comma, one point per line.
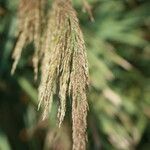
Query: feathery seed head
x=30, y=14
x=65, y=69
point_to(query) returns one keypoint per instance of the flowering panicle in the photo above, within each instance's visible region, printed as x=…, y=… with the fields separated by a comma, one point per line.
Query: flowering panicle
x=65, y=69
x=30, y=16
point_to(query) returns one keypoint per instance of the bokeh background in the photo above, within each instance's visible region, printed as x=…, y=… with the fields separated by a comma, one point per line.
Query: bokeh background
x=118, y=47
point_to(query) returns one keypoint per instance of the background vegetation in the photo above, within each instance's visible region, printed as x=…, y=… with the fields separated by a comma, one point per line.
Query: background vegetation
x=119, y=96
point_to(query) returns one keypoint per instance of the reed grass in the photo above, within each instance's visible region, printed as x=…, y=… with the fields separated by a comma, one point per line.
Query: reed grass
x=64, y=67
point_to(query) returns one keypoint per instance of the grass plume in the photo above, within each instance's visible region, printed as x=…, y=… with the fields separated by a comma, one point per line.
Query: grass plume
x=65, y=69
x=30, y=16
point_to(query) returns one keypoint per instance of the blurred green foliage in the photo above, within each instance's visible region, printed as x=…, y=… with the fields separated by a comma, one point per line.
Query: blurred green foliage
x=119, y=96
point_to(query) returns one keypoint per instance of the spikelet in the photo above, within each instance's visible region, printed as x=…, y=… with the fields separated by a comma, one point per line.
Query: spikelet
x=87, y=7
x=54, y=61
x=78, y=86
x=29, y=30
x=65, y=69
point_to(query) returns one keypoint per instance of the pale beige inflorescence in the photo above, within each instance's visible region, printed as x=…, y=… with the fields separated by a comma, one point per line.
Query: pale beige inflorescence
x=64, y=67
x=30, y=20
